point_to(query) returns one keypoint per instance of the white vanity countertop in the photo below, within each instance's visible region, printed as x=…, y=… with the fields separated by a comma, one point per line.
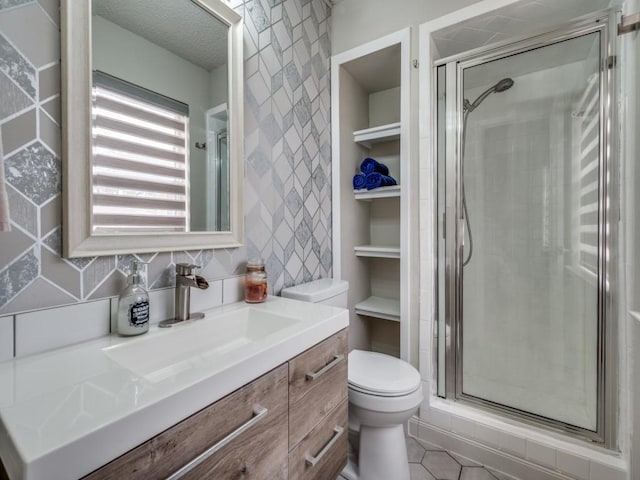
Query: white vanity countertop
x=66, y=412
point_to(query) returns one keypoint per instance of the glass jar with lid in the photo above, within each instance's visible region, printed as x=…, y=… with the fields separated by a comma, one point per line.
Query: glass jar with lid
x=255, y=283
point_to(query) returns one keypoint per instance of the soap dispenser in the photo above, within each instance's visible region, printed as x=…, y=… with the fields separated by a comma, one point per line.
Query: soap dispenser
x=133, y=306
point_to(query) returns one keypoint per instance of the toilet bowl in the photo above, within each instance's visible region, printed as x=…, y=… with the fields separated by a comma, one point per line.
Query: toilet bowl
x=384, y=392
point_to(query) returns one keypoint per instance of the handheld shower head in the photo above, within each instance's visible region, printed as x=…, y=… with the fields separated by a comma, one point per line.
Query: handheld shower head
x=501, y=86
x=467, y=108
x=504, y=84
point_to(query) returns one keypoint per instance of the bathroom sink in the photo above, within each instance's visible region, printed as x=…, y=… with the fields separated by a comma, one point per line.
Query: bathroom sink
x=217, y=339
x=66, y=412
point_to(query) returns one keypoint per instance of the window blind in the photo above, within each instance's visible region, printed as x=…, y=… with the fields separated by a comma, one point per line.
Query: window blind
x=140, y=159
x=587, y=116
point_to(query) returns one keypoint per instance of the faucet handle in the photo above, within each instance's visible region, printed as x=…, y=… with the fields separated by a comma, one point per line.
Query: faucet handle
x=185, y=268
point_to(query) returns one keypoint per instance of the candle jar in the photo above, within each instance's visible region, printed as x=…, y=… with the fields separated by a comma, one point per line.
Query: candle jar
x=255, y=283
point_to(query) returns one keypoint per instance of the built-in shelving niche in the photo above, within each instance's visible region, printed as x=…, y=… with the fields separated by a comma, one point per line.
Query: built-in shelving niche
x=370, y=227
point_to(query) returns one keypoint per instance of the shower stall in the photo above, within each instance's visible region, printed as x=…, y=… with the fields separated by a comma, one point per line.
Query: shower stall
x=524, y=218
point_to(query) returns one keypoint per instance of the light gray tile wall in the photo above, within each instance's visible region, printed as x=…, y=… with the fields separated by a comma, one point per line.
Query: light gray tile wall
x=287, y=147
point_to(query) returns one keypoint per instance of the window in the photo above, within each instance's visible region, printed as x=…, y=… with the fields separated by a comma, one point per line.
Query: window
x=587, y=129
x=140, y=159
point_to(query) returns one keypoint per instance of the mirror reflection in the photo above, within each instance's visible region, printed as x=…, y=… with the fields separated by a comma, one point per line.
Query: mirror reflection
x=159, y=118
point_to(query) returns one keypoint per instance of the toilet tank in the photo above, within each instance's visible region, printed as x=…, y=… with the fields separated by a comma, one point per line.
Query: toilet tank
x=326, y=290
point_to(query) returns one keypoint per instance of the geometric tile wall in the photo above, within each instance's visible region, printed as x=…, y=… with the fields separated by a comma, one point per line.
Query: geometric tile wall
x=287, y=159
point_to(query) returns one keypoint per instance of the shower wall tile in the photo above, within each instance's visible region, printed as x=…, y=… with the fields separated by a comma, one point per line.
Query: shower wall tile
x=6, y=338
x=541, y=454
x=462, y=426
x=600, y=471
x=17, y=275
x=60, y=272
x=39, y=294
x=35, y=171
x=49, y=81
x=110, y=286
x=53, y=109
x=13, y=98
x=287, y=161
x=13, y=64
x=12, y=3
x=19, y=131
x=50, y=133
x=24, y=213
x=14, y=243
x=574, y=465
x=39, y=42
x=51, y=215
x=513, y=444
x=52, y=8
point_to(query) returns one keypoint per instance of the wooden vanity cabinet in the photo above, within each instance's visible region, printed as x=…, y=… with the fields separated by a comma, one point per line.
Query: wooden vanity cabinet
x=318, y=410
x=302, y=434
x=258, y=453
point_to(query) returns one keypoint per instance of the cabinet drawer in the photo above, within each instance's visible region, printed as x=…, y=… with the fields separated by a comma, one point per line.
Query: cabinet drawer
x=259, y=452
x=322, y=454
x=317, y=384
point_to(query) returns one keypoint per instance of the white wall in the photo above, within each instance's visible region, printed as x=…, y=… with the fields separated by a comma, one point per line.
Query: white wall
x=219, y=80
x=630, y=174
x=354, y=22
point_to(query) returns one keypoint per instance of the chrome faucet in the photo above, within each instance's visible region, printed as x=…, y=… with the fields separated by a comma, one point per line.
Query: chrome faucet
x=185, y=279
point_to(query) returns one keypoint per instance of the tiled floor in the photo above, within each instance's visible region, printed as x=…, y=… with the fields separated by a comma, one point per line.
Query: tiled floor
x=426, y=464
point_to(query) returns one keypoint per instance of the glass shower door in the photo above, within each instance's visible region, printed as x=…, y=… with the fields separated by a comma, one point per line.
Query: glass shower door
x=526, y=184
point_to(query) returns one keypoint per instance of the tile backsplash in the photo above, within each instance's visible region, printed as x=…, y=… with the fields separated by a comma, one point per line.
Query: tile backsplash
x=287, y=167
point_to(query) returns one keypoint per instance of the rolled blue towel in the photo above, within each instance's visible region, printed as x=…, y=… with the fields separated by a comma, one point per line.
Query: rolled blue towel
x=375, y=180
x=359, y=181
x=370, y=165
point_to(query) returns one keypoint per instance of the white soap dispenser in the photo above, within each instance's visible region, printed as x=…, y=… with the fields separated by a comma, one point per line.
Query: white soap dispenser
x=133, y=306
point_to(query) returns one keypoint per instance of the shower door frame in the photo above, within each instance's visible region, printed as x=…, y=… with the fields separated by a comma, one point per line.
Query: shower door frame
x=608, y=215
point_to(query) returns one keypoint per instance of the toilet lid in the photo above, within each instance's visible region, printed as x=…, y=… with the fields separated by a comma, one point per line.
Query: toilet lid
x=381, y=374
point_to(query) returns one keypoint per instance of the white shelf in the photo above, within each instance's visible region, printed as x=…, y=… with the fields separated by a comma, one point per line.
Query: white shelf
x=383, y=133
x=380, y=192
x=378, y=307
x=377, y=251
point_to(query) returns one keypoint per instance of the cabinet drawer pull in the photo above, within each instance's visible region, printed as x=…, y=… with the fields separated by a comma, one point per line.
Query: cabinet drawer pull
x=336, y=360
x=258, y=411
x=312, y=461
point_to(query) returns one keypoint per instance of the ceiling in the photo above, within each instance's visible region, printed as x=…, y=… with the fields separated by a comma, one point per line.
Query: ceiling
x=180, y=26
x=517, y=19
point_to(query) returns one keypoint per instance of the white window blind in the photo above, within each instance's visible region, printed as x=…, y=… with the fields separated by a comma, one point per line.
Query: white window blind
x=587, y=118
x=140, y=159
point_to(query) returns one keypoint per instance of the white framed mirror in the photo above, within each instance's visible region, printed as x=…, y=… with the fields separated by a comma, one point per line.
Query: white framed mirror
x=152, y=100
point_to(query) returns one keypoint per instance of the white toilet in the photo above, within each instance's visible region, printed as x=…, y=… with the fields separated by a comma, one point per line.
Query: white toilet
x=384, y=392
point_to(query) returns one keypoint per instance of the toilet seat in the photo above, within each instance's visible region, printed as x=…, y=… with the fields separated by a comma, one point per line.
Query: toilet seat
x=381, y=375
